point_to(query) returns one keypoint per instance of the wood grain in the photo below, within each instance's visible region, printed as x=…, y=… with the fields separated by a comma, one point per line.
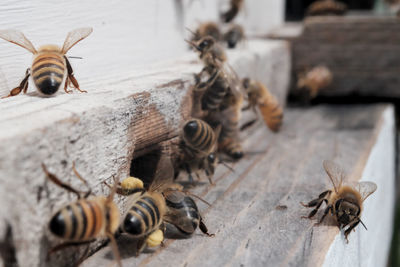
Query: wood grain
x=249, y=228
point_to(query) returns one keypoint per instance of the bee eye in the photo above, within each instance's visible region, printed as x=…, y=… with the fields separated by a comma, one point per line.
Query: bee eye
x=203, y=44
x=211, y=158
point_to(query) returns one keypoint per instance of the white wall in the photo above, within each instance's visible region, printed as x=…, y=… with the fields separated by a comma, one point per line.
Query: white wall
x=127, y=36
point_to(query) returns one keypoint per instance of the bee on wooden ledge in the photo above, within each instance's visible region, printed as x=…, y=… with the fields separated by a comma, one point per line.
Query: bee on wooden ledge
x=50, y=67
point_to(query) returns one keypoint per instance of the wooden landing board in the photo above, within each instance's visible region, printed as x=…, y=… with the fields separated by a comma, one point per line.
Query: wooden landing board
x=101, y=131
x=362, y=51
x=255, y=212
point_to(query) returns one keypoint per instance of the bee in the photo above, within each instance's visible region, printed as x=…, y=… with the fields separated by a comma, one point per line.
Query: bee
x=269, y=107
x=143, y=219
x=229, y=117
x=198, y=148
x=314, y=80
x=207, y=29
x=50, y=67
x=230, y=14
x=344, y=202
x=183, y=213
x=326, y=7
x=234, y=35
x=223, y=78
x=86, y=219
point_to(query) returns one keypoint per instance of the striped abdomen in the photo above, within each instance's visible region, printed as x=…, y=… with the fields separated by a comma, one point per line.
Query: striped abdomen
x=190, y=214
x=215, y=94
x=199, y=136
x=48, y=70
x=145, y=215
x=229, y=141
x=79, y=221
x=272, y=113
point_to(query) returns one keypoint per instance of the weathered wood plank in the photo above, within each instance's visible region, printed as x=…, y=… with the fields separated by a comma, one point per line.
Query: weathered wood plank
x=362, y=52
x=248, y=216
x=102, y=131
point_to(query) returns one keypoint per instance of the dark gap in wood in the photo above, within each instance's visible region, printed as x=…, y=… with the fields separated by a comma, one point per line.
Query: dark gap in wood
x=7, y=248
x=144, y=166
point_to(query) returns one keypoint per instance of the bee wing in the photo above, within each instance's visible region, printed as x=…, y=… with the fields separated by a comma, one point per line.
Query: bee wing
x=366, y=189
x=74, y=37
x=18, y=38
x=335, y=173
x=163, y=176
x=231, y=77
x=177, y=218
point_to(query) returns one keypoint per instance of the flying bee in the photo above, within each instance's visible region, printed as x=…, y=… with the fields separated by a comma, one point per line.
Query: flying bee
x=326, y=7
x=223, y=78
x=198, y=148
x=86, y=219
x=50, y=67
x=207, y=29
x=344, y=202
x=269, y=107
x=183, y=212
x=234, y=35
x=314, y=80
x=230, y=14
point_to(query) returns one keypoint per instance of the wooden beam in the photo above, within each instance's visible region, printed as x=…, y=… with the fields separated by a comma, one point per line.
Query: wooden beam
x=255, y=212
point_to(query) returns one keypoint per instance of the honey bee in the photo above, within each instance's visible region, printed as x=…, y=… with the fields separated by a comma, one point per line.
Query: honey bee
x=198, y=148
x=269, y=107
x=183, y=213
x=344, y=202
x=143, y=219
x=82, y=221
x=317, y=78
x=223, y=78
x=230, y=14
x=50, y=67
x=234, y=35
x=207, y=29
x=326, y=7
x=229, y=116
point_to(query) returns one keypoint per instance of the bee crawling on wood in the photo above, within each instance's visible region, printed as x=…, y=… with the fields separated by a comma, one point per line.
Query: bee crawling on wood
x=86, y=219
x=198, y=148
x=50, y=67
x=149, y=209
x=223, y=78
x=344, y=202
x=268, y=106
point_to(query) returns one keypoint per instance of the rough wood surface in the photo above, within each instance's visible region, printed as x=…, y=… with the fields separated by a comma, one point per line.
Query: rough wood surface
x=102, y=131
x=255, y=212
x=362, y=51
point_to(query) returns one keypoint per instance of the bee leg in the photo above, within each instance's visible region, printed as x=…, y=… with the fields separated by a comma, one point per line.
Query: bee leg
x=202, y=86
x=58, y=182
x=66, y=245
x=114, y=248
x=247, y=124
x=66, y=86
x=324, y=215
x=71, y=77
x=351, y=227
x=189, y=172
x=204, y=229
x=81, y=178
x=23, y=86
x=141, y=245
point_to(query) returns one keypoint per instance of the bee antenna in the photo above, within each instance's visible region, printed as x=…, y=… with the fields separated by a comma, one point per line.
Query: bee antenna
x=75, y=57
x=189, y=30
x=113, y=189
x=363, y=225
x=227, y=166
